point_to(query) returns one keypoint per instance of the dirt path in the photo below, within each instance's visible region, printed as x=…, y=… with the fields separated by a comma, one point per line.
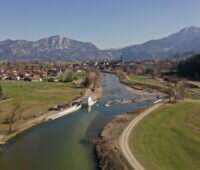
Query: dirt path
x=2, y=101
x=190, y=100
x=124, y=139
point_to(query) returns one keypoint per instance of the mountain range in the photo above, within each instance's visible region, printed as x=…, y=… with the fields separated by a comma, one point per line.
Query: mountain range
x=186, y=41
x=52, y=48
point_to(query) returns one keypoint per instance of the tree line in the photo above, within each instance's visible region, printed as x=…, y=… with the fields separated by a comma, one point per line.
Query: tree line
x=190, y=68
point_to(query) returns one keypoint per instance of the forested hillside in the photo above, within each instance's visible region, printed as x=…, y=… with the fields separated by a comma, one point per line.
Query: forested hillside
x=190, y=67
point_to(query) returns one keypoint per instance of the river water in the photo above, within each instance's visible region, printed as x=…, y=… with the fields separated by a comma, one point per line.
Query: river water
x=63, y=144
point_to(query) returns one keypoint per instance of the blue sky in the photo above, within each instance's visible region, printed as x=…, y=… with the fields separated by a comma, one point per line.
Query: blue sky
x=106, y=23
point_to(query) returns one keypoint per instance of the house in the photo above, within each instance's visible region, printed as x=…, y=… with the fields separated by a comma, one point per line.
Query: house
x=36, y=78
x=138, y=69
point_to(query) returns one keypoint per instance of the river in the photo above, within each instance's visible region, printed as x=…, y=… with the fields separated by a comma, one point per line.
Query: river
x=63, y=144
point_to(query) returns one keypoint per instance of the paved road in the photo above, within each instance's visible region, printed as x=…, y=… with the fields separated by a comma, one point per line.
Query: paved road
x=124, y=139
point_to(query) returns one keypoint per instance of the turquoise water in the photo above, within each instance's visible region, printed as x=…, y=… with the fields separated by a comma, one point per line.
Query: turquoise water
x=63, y=144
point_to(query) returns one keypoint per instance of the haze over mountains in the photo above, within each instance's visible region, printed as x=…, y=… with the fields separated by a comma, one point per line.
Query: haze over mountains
x=185, y=41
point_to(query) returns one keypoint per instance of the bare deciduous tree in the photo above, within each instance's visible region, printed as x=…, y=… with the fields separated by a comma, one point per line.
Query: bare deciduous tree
x=171, y=94
x=180, y=90
x=13, y=114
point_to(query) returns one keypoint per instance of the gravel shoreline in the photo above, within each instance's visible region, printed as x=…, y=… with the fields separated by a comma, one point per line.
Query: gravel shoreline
x=107, y=148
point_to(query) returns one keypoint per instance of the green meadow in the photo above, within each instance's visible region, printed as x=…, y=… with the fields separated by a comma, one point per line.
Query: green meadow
x=169, y=138
x=143, y=79
x=34, y=97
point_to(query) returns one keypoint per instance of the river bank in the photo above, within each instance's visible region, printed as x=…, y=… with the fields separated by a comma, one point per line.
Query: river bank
x=40, y=119
x=139, y=88
x=97, y=92
x=29, y=124
x=107, y=147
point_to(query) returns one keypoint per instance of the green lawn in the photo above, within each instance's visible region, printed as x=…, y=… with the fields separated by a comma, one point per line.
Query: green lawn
x=169, y=138
x=35, y=98
x=143, y=79
x=80, y=75
x=42, y=91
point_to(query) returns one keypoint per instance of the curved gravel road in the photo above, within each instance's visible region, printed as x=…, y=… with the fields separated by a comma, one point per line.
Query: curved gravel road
x=124, y=139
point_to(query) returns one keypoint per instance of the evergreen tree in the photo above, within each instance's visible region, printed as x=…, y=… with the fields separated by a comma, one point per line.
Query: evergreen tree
x=190, y=67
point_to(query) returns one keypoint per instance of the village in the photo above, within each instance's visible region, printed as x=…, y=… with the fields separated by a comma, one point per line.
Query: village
x=51, y=71
x=35, y=71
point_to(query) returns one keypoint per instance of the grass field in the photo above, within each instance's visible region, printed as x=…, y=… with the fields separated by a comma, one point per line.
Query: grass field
x=193, y=93
x=80, y=75
x=35, y=98
x=143, y=79
x=169, y=138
